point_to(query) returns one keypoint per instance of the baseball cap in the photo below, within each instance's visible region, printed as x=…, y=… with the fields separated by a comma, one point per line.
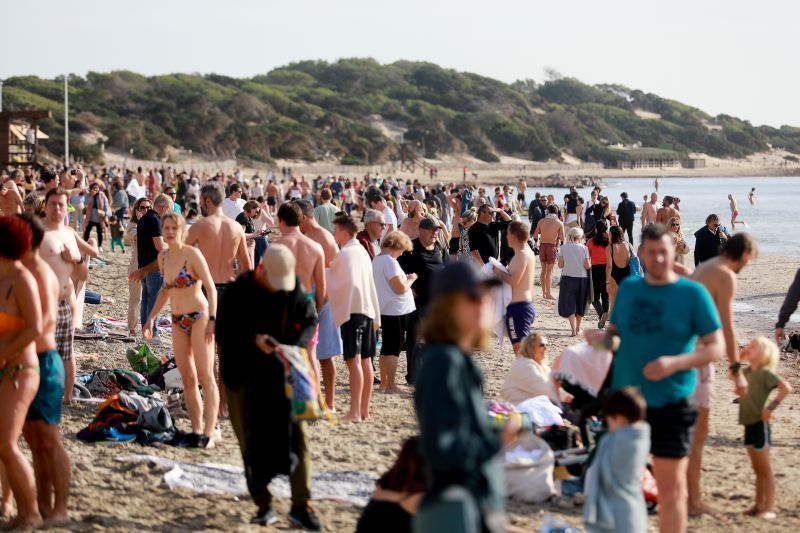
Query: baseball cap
x=427, y=223
x=462, y=276
x=279, y=263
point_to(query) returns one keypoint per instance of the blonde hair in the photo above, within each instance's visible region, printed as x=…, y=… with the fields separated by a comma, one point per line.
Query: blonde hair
x=769, y=352
x=470, y=215
x=397, y=240
x=177, y=219
x=574, y=234
x=527, y=346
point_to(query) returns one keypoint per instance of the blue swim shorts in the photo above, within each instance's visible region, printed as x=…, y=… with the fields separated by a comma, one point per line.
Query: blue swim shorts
x=330, y=338
x=46, y=406
x=519, y=317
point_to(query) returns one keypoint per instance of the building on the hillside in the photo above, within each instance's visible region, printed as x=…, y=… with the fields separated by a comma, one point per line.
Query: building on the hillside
x=19, y=136
x=632, y=158
x=694, y=162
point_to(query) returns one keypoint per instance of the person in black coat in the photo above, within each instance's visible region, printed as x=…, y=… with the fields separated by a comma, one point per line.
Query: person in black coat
x=626, y=213
x=708, y=240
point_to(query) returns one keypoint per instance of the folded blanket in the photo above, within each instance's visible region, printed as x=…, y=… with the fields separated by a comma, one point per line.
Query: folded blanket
x=584, y=366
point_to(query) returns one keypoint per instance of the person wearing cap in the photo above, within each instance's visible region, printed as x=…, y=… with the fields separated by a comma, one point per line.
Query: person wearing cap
x=370, y=236
x=459, y=448
x=260, y=412
x=425, y=258
x=356, y=311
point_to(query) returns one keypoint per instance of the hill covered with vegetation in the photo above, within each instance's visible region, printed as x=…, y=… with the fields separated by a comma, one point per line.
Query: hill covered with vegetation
x=315, y=110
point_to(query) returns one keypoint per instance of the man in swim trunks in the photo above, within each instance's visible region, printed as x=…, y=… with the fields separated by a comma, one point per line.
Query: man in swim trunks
x=650, y=211
x=520, y=313
x=551, y=231
x=61, y=251
x=50, y=459
x=718, y=275
x=330, y=339
x=221, y=240
x=272, y=196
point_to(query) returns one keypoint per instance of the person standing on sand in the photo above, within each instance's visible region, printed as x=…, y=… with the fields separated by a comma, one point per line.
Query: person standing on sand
x=222, y=242
x=61, y=250
x=325, y=212
x=735, y=213
x=787, y=309
x=574, y=262
x=41, y=431
x=20, y=325
x=457, y=444
x=708, y=240
x=752, y=197
x=271, y=442
x=650, y=211
x=355, y=307
x=626, y=211
x=330, y=339
x=551, y=231
x=520, y=313
x=660, y=319
x=718, y=275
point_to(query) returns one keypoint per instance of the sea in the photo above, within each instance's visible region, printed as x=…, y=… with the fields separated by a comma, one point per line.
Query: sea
x=770, y=220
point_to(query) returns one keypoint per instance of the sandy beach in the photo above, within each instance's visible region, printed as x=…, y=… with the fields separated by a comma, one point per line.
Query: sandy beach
x=110, y=495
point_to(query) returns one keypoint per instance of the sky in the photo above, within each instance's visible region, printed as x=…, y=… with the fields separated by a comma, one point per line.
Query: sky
x=735, y=56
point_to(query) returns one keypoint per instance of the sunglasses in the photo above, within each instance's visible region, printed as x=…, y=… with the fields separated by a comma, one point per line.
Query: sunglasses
x=143, y=207
x=676, y=225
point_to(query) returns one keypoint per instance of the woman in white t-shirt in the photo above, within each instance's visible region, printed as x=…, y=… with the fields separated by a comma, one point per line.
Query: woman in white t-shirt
x=396, y=303
x=573, y=294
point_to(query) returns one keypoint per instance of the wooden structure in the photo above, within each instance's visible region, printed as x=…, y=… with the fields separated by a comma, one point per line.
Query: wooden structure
x=409, y=160
x=19, y=136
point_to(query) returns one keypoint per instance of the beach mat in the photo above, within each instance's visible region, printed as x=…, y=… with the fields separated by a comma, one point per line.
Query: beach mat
x=346, y=486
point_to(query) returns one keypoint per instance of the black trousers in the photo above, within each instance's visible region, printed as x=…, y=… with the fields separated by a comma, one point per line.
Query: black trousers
x=628, y=228
x=600, y=296
x=88, y=230
x=413, y=345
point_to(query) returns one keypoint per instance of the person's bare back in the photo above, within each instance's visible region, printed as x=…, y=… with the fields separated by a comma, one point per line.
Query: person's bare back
x=325, y=239
x=550, y=229
x=718, y=279
x=220, y=240
x=524, y=261
x=310, y=260
x=49, y=290
x=10, y=200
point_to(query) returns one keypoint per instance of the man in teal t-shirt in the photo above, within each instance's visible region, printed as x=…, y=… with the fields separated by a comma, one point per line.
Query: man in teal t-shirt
x=659, y=320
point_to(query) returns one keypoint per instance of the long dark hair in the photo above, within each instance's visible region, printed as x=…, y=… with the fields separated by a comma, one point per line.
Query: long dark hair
x=405, y=475
x=600, y=234
x=617, y=236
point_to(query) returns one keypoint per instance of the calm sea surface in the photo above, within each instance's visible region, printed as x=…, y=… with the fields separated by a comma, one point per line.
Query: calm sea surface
x=772, y=220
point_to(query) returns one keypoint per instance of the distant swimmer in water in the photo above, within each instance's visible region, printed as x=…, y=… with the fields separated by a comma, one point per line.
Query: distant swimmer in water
x=656, y=184
x=735, y=213
x=752, y=196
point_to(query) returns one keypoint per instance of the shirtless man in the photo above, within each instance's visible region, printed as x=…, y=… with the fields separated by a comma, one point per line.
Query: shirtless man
x=64, y=252
x=273, y=194
x=10, y=200
x=520, y=313
x=667, y=212
x=650, y=211
x=718, y=275
x=735, y=213
x=50, y=460
x=221, y=240
x=330, y=341
x=752, y=197
x=551, y=231
x=410, y=224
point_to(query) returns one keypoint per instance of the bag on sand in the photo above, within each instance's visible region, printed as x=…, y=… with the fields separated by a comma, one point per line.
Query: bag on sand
x=529, y=470
x=143, y=360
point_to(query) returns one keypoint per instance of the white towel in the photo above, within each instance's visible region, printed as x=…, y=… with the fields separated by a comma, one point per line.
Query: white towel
x=502, y=297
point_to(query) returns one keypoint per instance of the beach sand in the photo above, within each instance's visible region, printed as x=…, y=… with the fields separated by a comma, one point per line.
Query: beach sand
x=109, y=495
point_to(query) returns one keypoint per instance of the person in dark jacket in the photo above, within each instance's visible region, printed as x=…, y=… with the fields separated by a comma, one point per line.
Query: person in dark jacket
x=535, y=211
x=458, y=446
x=259, y=307
x=626, y=215
x=708, y=240
x=789, y=306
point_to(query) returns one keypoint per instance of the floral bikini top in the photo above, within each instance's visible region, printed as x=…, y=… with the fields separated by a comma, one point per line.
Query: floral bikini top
x=183, y=280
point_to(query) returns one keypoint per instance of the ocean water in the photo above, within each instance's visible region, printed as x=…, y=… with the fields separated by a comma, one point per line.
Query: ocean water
x=771, y=221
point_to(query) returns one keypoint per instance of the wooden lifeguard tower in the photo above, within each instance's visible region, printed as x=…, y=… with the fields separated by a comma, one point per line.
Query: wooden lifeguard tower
x=19, y=136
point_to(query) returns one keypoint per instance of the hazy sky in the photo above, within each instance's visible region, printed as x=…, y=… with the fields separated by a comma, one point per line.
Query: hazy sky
x=731, y=56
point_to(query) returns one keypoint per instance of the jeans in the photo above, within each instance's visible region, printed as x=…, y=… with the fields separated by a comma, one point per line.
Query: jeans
x=261, y=246
x=151, y=285
x=92, y=297
x=413, y=345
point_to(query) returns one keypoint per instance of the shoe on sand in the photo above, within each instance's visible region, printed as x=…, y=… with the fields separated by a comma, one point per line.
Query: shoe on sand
x=304, y=518
x=265, y=518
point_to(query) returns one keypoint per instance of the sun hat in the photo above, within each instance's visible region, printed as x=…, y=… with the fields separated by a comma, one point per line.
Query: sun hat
x=279, y=263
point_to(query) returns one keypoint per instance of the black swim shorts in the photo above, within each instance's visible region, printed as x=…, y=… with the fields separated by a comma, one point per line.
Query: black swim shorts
x=671, y=429
x=358, y=337
x=758, y=436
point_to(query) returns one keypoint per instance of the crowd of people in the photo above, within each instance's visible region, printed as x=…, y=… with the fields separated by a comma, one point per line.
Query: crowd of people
x=368, y=269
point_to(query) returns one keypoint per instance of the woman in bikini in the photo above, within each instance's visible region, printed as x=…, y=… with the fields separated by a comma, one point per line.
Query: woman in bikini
x=193, y=315
x=618, y=263
x=20, y=324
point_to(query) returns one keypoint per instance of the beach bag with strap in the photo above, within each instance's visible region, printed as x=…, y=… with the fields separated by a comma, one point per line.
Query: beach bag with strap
x=636, y=265
x=301, y=388
x=529, y=470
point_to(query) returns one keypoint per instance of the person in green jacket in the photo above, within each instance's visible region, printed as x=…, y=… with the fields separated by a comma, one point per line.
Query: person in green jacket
x=459, y=448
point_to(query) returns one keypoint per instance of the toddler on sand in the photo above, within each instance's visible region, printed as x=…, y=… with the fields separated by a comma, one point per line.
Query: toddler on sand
x=614, y=498
x=755, y=415
x=116, y=229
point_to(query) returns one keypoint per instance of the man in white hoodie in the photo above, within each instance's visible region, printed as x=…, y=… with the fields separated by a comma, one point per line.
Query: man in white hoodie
x=355, y=309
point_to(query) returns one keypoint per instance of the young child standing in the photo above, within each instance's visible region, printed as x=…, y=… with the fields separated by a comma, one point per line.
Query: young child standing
x=116, y=233
x=614, y=498
x=755, y=415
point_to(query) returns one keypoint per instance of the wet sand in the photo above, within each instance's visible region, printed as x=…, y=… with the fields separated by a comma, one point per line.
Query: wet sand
x=109, y=495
